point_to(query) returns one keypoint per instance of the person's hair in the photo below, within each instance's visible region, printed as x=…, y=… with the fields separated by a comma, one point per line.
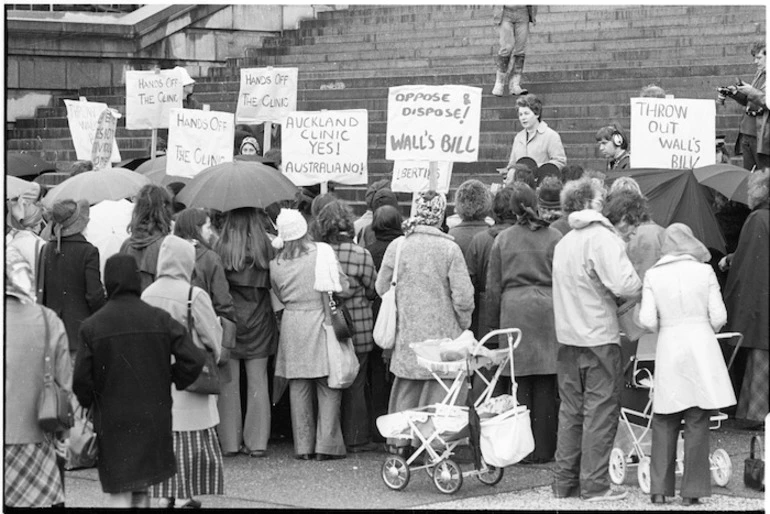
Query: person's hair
x=501, y=205
x=580, y=194
x=532, y=102
x=152, y=211
x=295, y=248
x=598, y=175
x=550, y=188
x=334, y=224
x=652, y=91
x=522, y=173
x=571, y=172
x=243, y=241
x=385, y=218
x=79, y=167
x=757, y=47
x=628, y=206
x=189, y=222
x=758, y=187
x=524, y=206
x=321, y=201
x=274, y=154
x=472, y=200
x=625, y=184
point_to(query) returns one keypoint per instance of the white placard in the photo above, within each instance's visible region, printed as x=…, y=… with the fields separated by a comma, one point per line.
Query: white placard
x=150, y=96
x=104, y=138
x=266, y=94
x=433, y=123
x=198, y=140
x=83, y=118
x=672, y=133
x=413, y=176
x=326, y=145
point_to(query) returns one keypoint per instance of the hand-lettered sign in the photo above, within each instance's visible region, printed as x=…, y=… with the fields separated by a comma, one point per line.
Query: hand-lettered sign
x=326, y=145
x=433, y=123
x=266, y=94
x=83, y=119
x=101, y=150
x=413, y=176
x=150, y=96
x=672, y=133
x=198, y=140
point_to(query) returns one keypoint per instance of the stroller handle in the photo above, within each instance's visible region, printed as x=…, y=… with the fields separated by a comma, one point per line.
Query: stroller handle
x=510, y=332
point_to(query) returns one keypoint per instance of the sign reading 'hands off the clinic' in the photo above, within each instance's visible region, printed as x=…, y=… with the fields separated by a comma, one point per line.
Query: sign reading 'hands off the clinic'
x=198, y=140
x=433, y=123
x=672, y=133
x=266, y=94
x=83, y=121
x=326, y=146
x=150, y=96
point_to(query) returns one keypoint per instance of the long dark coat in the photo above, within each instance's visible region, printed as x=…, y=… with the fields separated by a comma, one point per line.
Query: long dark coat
x=257, y=329
x=124, y=369
x=70, y=283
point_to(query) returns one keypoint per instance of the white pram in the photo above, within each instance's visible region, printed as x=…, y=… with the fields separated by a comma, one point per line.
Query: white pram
x=441, y=427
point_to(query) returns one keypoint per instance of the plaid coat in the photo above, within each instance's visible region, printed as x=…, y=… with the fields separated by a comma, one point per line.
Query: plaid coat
x=358, y=265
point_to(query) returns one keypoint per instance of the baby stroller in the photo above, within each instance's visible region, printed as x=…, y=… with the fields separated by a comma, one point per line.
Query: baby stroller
x=442, y=427
x=632, y=444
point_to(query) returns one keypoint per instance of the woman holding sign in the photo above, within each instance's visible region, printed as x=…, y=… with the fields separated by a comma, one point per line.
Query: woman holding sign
x=537, y=140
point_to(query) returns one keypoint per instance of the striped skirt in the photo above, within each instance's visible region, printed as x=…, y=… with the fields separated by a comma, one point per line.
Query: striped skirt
x=32, y=478
x=199, y=466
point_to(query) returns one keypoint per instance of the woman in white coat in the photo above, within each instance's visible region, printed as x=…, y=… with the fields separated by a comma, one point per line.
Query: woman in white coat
x=681, y=300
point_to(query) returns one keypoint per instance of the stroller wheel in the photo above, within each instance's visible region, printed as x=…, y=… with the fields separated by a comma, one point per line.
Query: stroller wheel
x=395, y=472
x=491, y=476
x=721, y=467
x=447, y=476
x=643, y=474
x=617, y=466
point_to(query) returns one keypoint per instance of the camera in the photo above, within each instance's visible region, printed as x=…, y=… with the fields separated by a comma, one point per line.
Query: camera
x=725, y=91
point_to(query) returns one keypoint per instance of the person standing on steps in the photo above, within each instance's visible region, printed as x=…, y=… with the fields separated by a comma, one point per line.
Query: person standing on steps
x=537, y=140
x=613, y=145
x=513, y=26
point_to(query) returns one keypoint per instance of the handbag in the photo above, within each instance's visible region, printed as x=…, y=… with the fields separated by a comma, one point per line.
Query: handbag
x=341, y=355
x=385, y=326
x=54, y=410
x=82, y=448
x=208, y=381
x=754, y=467
x=342, y=322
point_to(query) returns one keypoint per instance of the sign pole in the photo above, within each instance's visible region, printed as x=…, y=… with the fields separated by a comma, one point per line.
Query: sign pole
x=154, y=144
x=267, y=137
x=433, y=176
x=324, y=187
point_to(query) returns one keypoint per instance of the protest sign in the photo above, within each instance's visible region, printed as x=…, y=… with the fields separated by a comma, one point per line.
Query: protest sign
x=83, y=119
x=266, y=94
x=150, y=96
x=433, y=123
x=326, y=145
x=198, y=140
x=101, y=149
x=672, y=133
x=413, y=177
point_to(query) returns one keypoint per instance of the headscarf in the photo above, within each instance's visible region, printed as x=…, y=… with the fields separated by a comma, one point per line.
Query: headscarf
x=678, y=239
x=121, y=275
x=249, y=140
x=429, y=210
x=18, y=276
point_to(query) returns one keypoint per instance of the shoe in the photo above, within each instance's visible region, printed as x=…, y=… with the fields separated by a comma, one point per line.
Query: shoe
x=499, y=86
x=191, y=503
x=608, y=496
x=230, y=454
x=687, y=502
x=166, y=503
x=565, y=493
x=365, y=447
x=305, y=456
x=257, y=454
x=323, y=456
x=658, y=498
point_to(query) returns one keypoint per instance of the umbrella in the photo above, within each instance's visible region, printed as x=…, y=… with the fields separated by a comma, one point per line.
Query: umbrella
x=731, y=181
x=132, y=164
x=675, y=196
x=108, y=227
x=16, y=187
x=235, y=184
x=155, y=170
x=95, y=186
x=25, y=164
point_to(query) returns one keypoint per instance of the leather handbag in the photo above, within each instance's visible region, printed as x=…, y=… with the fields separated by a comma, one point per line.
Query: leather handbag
x=208, y=382
x=342, y=322
x=82, y=447
x=385, y=326
x=754, y=466
x=54, y=410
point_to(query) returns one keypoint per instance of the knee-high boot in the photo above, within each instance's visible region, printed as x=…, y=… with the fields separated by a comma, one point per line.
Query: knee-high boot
x=514, y=87
x=501, y=62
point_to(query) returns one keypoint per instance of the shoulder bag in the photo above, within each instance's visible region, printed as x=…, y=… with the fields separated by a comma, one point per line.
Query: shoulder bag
x=208, y=381
x=82, y=448
x=385, y=326
x=54, y=410
x=342, y=322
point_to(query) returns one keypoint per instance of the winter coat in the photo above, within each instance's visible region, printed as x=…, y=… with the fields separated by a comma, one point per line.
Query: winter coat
x=144, y=248
x=464, y=233
x=681, y=300
x=123, y=368
x=358, y=266
x=256, y=327
x=434, y=295
x=545, y=146
x=70, y=283
x=748, y=281
x=590, y=270
x=176, y=260
x=209, y=275
x=643, y=247
x=519, y=295
x=302, y=345
x=754, y=124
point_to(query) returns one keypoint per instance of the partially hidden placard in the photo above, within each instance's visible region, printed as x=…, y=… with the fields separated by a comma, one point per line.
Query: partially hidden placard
x=83, y=120
x=198, y=140
x=266, y=94
x=150, y=96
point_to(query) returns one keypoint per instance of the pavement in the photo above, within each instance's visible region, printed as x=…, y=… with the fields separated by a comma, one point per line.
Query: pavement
x=281, y=482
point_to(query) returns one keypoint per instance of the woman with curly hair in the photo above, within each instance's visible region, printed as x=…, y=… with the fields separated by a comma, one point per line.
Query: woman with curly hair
x=473, y=201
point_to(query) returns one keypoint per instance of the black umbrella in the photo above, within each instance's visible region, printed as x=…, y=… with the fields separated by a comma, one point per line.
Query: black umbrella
x=25, y=165
x=132, y=164
x=474, y=423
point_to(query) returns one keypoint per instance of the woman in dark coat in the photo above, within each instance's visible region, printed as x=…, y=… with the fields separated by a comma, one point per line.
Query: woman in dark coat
x=69, y=282
x=124, y=370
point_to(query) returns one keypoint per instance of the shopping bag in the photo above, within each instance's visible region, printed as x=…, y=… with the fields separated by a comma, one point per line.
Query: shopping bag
x=82, y=447
x=754, y=467
x=343, y=363
x=507, y=438
x=385, y=325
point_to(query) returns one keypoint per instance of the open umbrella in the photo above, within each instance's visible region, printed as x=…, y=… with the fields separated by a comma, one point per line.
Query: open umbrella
x=95, y=186
x=235, y=184
x=132, y=164
x=26, y=164
x=16, y=187
x=732, y=181
x=155, y=170
x=108, y=227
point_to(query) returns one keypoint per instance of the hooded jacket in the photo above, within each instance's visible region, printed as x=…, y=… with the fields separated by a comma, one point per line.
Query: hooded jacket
x=144, y=248
x=590, y=270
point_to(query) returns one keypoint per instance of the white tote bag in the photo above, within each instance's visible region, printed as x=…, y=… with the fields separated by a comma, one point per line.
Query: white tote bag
x=384, y=332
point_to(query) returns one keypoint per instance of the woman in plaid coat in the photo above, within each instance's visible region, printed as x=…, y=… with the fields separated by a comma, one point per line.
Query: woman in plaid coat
x=334, y=225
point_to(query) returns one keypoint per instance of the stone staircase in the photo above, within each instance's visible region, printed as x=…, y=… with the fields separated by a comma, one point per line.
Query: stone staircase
x=584, y=62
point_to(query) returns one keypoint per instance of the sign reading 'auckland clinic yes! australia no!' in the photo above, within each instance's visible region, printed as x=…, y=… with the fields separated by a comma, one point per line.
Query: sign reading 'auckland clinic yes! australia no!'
x=266, y=94
x=150, y=96
x=433, y=123
x=326, y=146
x=198, y=140
x=672, y=133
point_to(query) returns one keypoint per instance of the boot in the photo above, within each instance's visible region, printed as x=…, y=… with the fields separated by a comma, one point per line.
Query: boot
x=515, y=86
x=501, y=61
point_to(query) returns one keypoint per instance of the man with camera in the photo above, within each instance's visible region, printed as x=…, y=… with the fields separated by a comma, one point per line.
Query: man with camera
x=753, y=134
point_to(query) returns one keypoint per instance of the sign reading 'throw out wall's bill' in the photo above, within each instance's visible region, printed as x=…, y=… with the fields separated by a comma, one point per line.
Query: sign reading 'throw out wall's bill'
x=150, y=96
x=266, y=94
x=198, y=140
x=672, y=133
x=326, y=146
x=83, y=120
